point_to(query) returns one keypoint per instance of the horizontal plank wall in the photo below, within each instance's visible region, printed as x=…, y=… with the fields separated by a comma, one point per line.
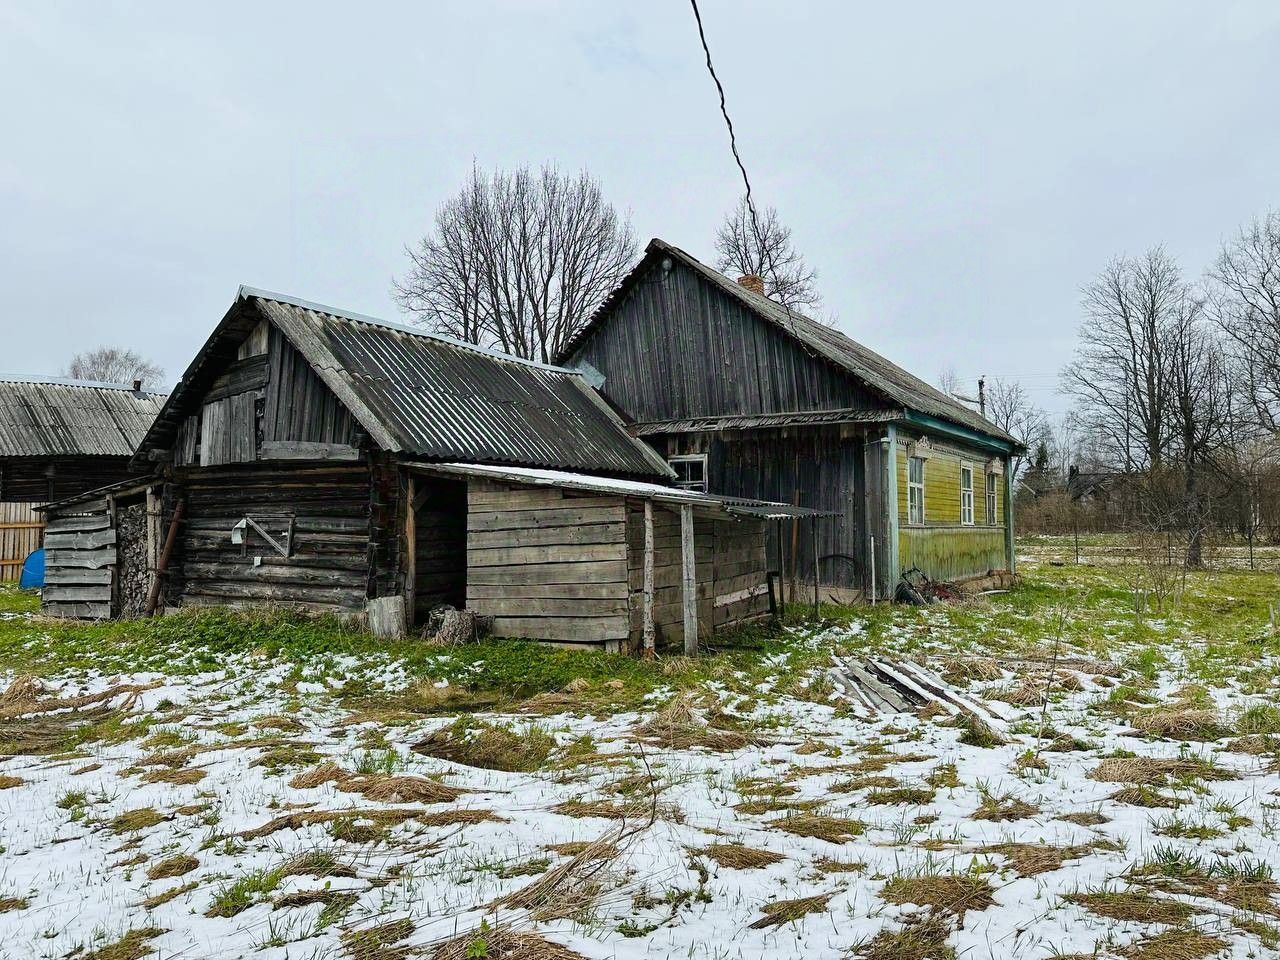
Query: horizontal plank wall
x=548, y=565
x=730, y=573
x=80, y=559
x=328, y=508
x=45, y=479
x=944, y=547
x=20, y=527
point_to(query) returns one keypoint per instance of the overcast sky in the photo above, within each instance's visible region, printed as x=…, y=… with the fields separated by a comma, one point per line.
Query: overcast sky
x=955, y=172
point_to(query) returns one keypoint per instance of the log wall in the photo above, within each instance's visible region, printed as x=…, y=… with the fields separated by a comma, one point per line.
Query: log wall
x=329, y=565
x=548, y=565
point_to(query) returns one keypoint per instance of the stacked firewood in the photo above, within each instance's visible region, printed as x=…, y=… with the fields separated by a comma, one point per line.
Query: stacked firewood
x=133, y=580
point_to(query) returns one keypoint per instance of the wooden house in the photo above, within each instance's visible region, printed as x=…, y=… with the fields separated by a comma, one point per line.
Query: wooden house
x=59, y=438
x=746, y=397
x=315, y=458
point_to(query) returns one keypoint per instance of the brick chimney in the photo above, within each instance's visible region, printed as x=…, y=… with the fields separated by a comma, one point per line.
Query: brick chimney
x=753, y=282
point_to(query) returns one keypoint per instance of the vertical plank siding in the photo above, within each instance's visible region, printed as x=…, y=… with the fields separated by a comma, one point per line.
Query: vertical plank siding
x=20, y=531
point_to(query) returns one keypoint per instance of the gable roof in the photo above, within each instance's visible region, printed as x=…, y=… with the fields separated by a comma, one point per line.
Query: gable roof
x=425, y=395
x=68, y=418
x=895, y=384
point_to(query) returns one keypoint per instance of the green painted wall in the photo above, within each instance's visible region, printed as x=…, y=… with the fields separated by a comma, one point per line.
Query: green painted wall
x=943, y=547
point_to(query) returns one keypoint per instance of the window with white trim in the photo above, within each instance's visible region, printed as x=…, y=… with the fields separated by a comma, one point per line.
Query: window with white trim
x=991, y=498
x=915, y=490
x=966, y=494
x=691, y=471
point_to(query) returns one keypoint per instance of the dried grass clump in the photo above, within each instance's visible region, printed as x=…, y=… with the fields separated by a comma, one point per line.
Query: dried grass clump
x=921, y=937
x=569, y=890
x=8, y=783
x=971, y=668
x=167, y=896
x=789, y=911
x=298, y=819
x=833, y=829
x=1180, y=723
x=378, y=943
x=1143, y=796
x=337, y=901
x=319, y=776
x=503, y=943
x=173, y=867
x=677, y=726
x=24, y=691
x=829, y=865
x=978, y=734
x=1001, y=808
x=572, y=848
x=900, y=796
x=489, y=746
x=23, y=697
x=1130, y=906
x=180, y=777
x=9, y=904
x=1033, y=859
x=1183, y=944
x=1085, y=818
x=132, y=821
x=854, y=784
x=379, y=787
x=953, y=893
x=609, y=810
x=736, y=856
x=1152, y=771
x=132, y=946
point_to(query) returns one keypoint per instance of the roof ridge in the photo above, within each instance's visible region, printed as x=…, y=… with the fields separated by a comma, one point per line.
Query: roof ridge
x=73, y=382
x=246, y=292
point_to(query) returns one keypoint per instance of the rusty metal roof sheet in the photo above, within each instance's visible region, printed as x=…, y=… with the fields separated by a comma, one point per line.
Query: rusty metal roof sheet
x=430, y=396
x=66, y=418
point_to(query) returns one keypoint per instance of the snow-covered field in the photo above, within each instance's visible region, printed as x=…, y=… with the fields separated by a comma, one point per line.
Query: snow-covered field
x=257, y=811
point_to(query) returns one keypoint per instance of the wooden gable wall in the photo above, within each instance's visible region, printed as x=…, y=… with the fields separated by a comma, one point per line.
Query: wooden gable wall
x=678, y=347
x=268, y=404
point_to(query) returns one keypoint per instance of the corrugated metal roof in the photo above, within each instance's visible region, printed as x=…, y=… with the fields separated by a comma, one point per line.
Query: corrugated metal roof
x=431, y=396
x=64, y=418
x=563, y=479
x=883, y=376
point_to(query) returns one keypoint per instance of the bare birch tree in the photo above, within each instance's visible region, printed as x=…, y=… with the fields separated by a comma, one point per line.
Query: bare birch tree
x=114, y=365
x=1245, y=304
x=517, y=260
x=769, y=254
x=1011, y=409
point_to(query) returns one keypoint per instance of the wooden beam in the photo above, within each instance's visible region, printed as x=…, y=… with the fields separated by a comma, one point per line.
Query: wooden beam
x=688, y=566
x=890, y=498
x=411, y=551
x=648, y=628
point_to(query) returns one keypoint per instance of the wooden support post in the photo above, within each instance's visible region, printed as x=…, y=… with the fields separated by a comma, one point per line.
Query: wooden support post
x=813, y=522
x=689, y=569
x=411, y=552
x=162, y=565
x=1010, y=547
x=648, y=634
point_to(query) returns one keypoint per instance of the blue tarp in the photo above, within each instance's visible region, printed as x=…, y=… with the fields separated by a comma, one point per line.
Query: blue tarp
x=33, y=571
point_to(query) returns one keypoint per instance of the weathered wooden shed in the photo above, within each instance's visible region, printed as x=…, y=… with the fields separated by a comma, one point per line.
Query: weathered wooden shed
x=747, y=398
x=59, y=438
x=316, y=458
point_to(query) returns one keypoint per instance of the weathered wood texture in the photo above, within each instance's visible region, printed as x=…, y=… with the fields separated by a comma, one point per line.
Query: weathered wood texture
x=266, y=404
x=80, y=579
x=328, y=566
x=546, y=564
x=45, y=479
x=730, y=573
x=952, y=552
x=818, y=467
x=439, y=566
x=677, y=347
x=20, y=529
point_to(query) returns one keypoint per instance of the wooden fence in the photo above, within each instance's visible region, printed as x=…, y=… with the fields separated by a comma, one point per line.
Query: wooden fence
x=20, y=529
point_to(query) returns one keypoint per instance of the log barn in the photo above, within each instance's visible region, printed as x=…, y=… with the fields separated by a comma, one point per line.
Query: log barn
x=59, y=438
x=748, y=398
x=315, y=458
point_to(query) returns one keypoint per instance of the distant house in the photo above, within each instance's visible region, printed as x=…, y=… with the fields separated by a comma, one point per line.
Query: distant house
x=59, y=438
x=746, y=398
x=318, y=459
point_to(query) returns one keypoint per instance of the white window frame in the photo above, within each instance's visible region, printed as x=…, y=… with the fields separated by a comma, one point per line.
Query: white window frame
x=992, y=518
x=966, y=495
x=915, y=493
x=698, y=485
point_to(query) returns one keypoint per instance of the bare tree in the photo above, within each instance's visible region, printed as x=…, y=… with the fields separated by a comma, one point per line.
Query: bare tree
x=1120, y=376
x=114, y=365
x=768, y=253
x=1010, y=408
x=517, y=260
x=949, y=381
x=1245, y=303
